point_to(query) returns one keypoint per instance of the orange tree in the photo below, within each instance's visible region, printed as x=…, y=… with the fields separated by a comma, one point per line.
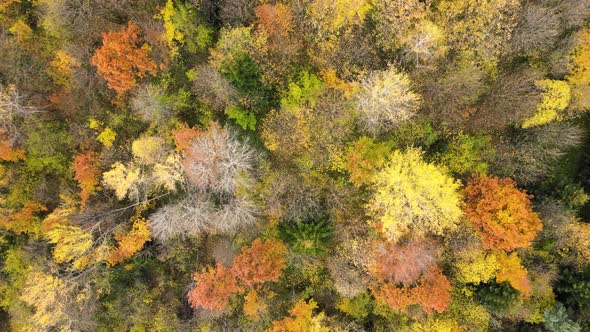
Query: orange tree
x=501, y=213
x=260, y=263
x=214, y=288
x=123, y=58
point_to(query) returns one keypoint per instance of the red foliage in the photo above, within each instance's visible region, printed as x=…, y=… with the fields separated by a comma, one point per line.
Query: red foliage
x=402, y=263
x=432, y=292
x=123, y=58
x=214, y=287
x=502, y=213
x=87, y=173
x=262, y=262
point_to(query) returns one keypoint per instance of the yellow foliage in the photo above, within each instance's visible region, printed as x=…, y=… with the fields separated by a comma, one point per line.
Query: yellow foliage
x=106, y=137
x=512, y=271
x=171, y=34
x=254, y=307
x=579, y=70
x=301, y=320
x=476, y=266
x=61, y=69
x=22, y=31
x=332, y=81
x=167, y=174
x=121, y=179
x=411, y=195
x=71, y=244
x=148, y=150
x=46, y=294
x=437, y=325
x=556, y=97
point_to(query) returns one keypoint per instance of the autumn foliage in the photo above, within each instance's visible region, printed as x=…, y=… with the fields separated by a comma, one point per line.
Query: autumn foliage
x=502, y=213
x=7, y=151
x=402, y=263
x=86, y=172
x=128, y=244
x=214, y=287
x=260, y=263
x=432, y=292
x=301, y=319
x=123, y=58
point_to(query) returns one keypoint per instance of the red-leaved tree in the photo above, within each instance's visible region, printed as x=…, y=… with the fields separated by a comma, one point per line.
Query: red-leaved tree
x=86, y=172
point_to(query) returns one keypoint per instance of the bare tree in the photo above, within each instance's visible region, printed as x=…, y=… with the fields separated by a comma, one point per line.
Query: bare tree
x=218, y=161
x=538, y=29
x=214, y=88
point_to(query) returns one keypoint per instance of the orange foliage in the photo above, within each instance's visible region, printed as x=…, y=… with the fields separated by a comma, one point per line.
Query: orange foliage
x=183, y=137
x=123, y=58
x=511, y=270
x=432, y=292
x=277, y=41
x=129, y=244
x=23, y=221
x=7, y=152
x=402, y=263
x=262, y=262
x=501, y=212
x=214, y=287
x=86, y=172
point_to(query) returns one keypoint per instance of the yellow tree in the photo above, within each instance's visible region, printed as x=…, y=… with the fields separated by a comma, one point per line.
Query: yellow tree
x=413, y=196
x=301, y=319
x=579, y=71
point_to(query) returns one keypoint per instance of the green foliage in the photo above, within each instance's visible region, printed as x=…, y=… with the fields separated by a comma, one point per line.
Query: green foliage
x=183, y=27
x=358, y=307
x=497, y=296
x=574, y=288
x=244, y=118
x=49, y=150
x=305, y=90
x=308, y=238
x=243, y=73
x=557, y=320
x=418, y=133
x=467, y=154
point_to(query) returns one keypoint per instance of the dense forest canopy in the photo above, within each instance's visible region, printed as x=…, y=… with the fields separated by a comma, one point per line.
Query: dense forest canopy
x=295, y=165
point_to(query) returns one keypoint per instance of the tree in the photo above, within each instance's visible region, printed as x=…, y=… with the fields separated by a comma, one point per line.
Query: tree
x=531, y=155
x=128, y=244
x=123, y=58
x=480, y=26
x=432, y=292
x=302, y=319
x=180, y=21
x=71, y=244
x=467, y=154
x=512, y=271
x=537, y=30
x=218, y=161
x=557, y=320
x=410, y=195
x=385, y=100
x=364, y=158
x=121, y=179
x=579, y=70
x=476, y=266
x=277, y=42
x=213, y=288
x=87, y=173
x=308, y=238
x=501, y=213
x=556, y=97
x=48, y=295
x=402, y=263
x=260, y=263
x=150, y=103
